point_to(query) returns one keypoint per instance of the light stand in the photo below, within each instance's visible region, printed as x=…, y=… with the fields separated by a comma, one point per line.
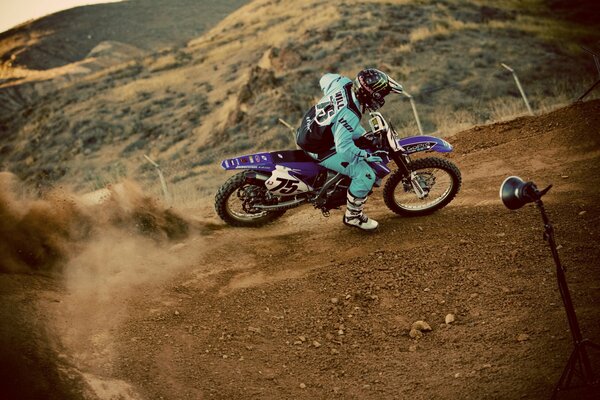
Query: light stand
x=515, y=193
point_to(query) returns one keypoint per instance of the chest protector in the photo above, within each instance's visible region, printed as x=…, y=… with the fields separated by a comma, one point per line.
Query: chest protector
x=315, y=135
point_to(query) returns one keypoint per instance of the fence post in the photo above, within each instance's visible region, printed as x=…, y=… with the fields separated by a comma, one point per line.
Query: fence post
x=163, y=183
x=519, y=86
x=291, y=128
x=415, y=113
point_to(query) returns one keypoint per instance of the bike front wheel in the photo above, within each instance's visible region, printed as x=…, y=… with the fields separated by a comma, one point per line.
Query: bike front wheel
x=440, y=179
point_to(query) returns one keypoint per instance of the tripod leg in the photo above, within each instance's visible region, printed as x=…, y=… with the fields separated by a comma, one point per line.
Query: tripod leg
x=588, y=342
x=590, y=377
x=578, y=363
x=567, y=372
x=575, y=367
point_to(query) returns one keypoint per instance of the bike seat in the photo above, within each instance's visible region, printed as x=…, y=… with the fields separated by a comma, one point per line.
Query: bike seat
x=291, y=156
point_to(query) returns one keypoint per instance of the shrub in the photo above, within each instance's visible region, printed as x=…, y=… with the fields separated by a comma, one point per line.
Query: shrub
x=136, y=145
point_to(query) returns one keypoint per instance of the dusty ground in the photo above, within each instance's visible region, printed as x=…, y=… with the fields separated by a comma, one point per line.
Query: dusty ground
x=306, y=308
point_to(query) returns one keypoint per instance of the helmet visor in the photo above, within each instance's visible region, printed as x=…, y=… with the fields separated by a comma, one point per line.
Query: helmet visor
x=395, y=86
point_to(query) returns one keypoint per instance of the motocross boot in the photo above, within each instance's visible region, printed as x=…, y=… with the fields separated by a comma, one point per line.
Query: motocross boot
x=354, y=214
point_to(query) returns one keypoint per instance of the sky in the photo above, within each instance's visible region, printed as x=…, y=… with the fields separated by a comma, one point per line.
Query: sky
x=14, y=12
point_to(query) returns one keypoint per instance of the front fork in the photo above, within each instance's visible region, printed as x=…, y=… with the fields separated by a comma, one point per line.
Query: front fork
x=403, y=162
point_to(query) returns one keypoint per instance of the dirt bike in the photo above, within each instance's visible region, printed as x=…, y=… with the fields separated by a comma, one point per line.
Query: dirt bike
x=273, y=182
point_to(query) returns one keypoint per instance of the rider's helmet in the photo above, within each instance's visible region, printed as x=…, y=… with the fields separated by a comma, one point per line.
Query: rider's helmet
x=371, y=86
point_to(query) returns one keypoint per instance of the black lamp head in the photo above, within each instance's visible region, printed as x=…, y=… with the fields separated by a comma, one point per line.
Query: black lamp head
x=515, y=193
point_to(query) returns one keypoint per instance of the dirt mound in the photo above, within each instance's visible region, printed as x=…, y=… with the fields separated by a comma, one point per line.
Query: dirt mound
x=572, y=128
x=40, y=233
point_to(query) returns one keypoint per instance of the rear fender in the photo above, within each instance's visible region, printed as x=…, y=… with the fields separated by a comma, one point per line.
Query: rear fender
x=415, y=144
x=259, y=161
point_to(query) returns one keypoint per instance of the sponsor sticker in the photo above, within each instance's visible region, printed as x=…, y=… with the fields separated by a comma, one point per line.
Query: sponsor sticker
x=263, y=167
x=424, y=146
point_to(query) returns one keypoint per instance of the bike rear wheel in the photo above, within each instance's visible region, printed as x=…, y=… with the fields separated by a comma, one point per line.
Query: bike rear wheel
x=440, y=178
x=233, y=203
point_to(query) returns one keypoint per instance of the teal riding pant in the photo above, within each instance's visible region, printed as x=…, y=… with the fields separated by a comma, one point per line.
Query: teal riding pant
x=362, y=175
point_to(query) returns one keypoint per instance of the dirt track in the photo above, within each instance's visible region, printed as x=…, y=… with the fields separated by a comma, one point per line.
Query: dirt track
x=306, y=308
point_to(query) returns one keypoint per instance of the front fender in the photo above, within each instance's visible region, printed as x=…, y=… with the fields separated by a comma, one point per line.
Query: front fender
x=415, y=144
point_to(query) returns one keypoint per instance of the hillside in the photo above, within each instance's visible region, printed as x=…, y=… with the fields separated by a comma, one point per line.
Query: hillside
x=124, y=306
x=86, y=125
x=149, y=25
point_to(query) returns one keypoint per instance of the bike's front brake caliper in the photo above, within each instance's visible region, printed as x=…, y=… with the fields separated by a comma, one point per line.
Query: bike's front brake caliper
x=419, y=185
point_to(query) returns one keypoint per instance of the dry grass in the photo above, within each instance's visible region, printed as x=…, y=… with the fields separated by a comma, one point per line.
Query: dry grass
x=561, y=93
x=448, y=121
x=557, y=94
x=442, y=28
x=506, y=108
x=547, y=29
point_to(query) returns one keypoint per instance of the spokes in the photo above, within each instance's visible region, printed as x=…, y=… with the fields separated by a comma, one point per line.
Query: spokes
x=435, y=185
x=240, y=203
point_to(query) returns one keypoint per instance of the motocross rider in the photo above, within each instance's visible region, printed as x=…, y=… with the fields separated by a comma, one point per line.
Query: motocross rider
x=330, y=127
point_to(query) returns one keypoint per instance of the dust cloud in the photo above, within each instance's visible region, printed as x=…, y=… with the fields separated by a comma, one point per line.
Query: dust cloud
x=45, y=233
x=106, y=249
